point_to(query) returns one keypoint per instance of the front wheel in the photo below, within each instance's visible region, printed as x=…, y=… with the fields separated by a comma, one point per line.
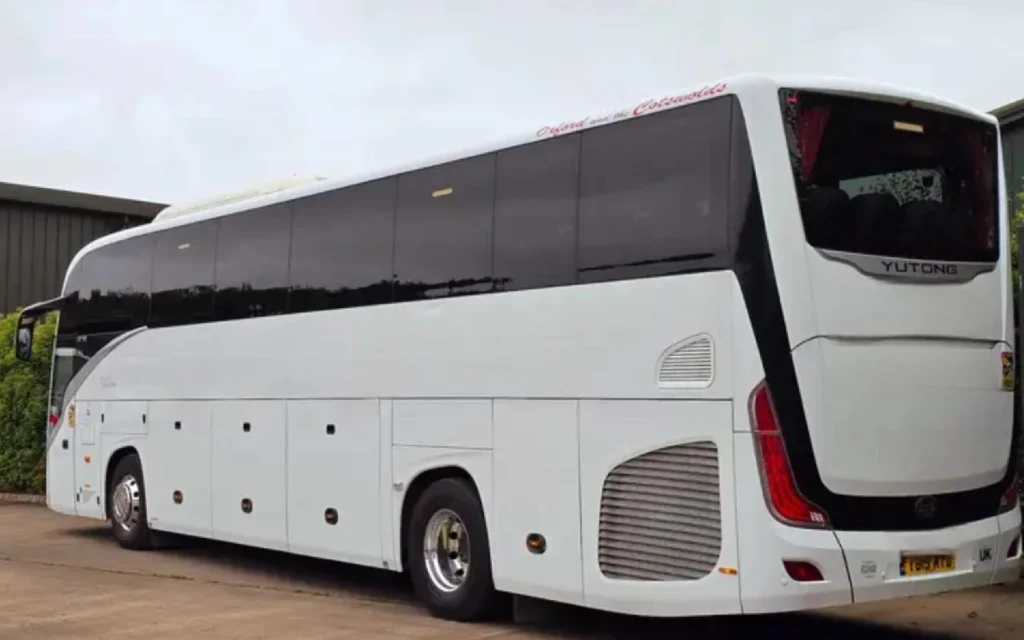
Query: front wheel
x=448, y=552
x=128, y=505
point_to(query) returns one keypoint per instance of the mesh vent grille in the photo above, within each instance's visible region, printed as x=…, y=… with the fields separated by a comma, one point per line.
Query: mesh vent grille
x=691, y=364
x=661, y=515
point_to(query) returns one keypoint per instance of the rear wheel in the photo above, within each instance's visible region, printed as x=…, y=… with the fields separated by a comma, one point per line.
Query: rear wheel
x=127, y=508
x=448, y=552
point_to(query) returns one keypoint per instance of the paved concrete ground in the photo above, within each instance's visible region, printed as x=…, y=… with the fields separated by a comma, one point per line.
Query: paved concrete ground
x=64, y=577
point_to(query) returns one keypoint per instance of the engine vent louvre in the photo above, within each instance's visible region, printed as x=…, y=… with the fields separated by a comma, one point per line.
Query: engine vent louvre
x=688, y=364
x=661, y=515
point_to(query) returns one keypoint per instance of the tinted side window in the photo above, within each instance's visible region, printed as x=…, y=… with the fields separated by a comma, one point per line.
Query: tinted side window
x=535, y=214
x=654, y=192
x=115, y=286
x=342, y=247
x=443, y=230
x=70, y=316
x=183, y=274
x=252, y=263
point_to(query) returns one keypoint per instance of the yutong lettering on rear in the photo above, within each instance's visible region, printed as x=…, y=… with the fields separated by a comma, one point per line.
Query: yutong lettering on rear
x=910, y=267
x=616, y=338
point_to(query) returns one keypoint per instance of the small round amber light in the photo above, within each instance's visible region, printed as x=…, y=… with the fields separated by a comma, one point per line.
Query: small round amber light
x=536, y=543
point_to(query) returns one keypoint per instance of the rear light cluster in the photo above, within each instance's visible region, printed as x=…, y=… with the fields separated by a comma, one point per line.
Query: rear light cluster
x=784, y=499
x=1011, y=497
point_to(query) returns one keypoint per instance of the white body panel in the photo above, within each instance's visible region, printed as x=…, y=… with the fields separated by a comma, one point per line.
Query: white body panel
x=909, y=394
x=248, y=453
x=333, y=457
x=180, y=430
x=539, y=487
x=553, y=343
x=438, y=421
x=60, y=471
x=540, y=396
x=654, y=425
x=839, y=291
x=763, y=581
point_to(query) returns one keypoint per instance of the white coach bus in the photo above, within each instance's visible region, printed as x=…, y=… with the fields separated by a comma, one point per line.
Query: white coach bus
x=741, y=349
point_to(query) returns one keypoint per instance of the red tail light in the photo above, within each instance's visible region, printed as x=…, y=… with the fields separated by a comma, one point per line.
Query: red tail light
x=801, y=571
x=1009, y=500
x=785, y=501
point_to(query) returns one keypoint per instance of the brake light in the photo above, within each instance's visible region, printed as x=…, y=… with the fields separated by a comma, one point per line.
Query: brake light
x=1010, y=498
x=784, y=499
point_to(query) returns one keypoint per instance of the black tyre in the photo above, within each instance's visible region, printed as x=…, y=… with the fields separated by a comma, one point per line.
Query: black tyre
x=126, y=505
x=449, y=553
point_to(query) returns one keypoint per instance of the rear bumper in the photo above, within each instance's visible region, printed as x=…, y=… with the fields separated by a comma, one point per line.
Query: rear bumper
x=981, y=550
x=857, y=566
x=1011, y=526
x=865, y=566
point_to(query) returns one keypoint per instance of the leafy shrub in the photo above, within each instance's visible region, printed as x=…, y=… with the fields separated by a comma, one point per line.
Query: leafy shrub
x=24, y=387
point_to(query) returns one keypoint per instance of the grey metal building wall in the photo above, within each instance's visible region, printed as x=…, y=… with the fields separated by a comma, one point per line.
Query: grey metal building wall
x=37, y=242
x=1013, y=159
x=1011, y=126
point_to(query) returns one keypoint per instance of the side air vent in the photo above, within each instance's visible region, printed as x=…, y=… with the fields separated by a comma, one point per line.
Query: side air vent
x=661, y=515
x=688, y=364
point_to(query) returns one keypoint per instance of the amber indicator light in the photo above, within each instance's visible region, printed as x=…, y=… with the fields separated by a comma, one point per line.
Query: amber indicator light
x=536, y=543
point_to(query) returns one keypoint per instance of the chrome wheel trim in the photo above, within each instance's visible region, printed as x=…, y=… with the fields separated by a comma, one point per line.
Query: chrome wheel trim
x=125, y=503
x=446, y=551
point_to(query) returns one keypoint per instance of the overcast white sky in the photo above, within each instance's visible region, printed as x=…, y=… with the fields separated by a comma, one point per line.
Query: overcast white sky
x=179, y=99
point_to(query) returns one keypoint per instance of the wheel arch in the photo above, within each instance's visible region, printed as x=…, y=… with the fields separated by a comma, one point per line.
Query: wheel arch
x=420, y=482
x=115, y=459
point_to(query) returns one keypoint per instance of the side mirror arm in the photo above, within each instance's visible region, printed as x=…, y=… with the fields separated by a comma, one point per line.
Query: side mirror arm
x=27, y=322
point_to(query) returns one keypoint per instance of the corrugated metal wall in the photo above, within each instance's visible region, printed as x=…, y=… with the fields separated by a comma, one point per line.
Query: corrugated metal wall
x=37, y=243
x=1013, y=159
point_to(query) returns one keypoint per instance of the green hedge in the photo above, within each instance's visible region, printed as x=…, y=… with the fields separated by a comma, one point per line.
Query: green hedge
x=23, y=411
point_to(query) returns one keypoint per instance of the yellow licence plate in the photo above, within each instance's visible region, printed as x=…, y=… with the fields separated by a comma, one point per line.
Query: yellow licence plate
x=925, y=564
